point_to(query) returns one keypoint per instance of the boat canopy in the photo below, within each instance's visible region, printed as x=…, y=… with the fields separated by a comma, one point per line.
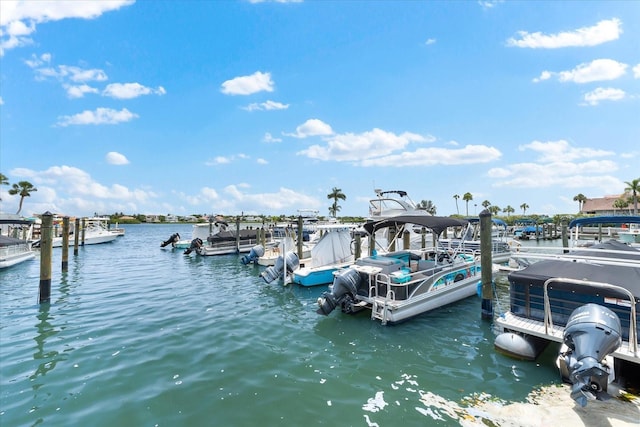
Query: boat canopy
x=619, y=219
x=496, y=221
x=437, y=224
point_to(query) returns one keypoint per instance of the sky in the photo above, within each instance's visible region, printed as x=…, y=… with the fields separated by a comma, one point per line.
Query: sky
x=263, y=107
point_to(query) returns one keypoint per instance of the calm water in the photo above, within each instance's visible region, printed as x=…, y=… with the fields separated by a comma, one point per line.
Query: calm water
x=136, y=335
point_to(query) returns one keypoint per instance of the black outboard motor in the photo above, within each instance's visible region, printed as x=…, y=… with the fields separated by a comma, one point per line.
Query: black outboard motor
x=592, y=333
x=195, y=244
x=344, y=287
x=272, y=273
x=171, y=240
x=256, y=252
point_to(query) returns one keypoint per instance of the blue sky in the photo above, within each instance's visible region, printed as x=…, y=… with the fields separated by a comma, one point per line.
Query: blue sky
x=263, y=107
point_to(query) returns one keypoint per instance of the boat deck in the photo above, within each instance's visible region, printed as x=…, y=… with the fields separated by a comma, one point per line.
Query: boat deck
x=555, y=333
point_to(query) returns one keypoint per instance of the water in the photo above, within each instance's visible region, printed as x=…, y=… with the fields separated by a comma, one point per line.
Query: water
x=136, y=335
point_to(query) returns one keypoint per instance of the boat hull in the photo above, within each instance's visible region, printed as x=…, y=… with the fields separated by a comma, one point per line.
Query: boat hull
x=9, y=258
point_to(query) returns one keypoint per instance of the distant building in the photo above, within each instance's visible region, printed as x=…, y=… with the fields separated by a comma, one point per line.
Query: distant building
x=604, y=206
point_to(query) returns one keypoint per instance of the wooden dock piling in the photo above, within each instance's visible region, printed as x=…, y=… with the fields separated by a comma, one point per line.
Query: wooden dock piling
x=46, y=248
x=76, y=236
x=300, y=236
x=486, y=264
x=65, y=244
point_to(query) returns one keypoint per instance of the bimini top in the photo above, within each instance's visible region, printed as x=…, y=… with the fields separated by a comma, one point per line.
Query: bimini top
x=437, y=224
x=496, y=221
x=591, y=220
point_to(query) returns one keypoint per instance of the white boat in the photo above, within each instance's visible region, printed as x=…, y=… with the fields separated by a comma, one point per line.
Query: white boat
x=223, y=240
x=630, y=235
x=15, y=240
x=469, y=241
x=333, y=251
x=402, y=284
x=95, y=232
x=585, y=298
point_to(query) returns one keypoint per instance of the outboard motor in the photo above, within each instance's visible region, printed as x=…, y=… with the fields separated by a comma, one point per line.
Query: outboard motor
x=345, y=286
x=256, y=252
x=195, y=244
x=592, y=333
x=171, y=240
x=272, y=273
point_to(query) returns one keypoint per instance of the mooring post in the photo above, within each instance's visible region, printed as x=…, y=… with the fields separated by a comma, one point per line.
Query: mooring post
x=423, y=238
x=565, y=237
x=46, y=245
x=372, y=243
x=84, y=227
x=392, y=239
x=486, y=264
x=76, y=236
x=300, y=236
x=238, y=234
x=357, y=250
x=406, y=239
x=65, y=243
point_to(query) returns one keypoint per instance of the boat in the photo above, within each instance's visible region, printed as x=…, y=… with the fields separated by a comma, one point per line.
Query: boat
x=584, y=298
x=402, y=284
x=95, y=231
x=225, y=241
x=390, y=203
x=15, y=240
x=469, y=241
x=333, y=251
x=628, y=233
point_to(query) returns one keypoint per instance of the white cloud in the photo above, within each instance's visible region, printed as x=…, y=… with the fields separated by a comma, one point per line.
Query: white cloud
x=489, y=4
x=596, y=70
x=78, y=91
x=1, y=101
x=114, y=158
x=18, y=19
x=636, y=72
x=269, y=138
x=247, y=85
x=70, y=190
x=218, y=160
x=604, y=31
x=312, y=127
x=470, y=154
x=601, y=94
x=261, y=161
x=100, y=116
x=268, y=105
x=281, y=200
x=67, y=73
x=130, y=90
x=550, y=151
x=430, y=41
x=367, y=145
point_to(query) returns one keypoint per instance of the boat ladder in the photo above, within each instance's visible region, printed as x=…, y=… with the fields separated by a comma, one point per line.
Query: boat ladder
x=379, y=307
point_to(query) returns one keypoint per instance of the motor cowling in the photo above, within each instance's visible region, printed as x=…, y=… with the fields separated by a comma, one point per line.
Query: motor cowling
x=592, y=333
x=256, y=252
x=344, y=284
x=275, y=271
x=195, y=244
x=171, y=240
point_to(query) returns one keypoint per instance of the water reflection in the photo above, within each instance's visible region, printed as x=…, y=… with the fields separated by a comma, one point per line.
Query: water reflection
x=46, y=331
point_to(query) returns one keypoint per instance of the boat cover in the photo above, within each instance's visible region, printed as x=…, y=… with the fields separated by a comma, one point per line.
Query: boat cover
x=437, y=224
x=626, y=277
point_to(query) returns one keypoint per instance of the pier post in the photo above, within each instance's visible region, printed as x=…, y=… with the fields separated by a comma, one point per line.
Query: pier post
x=358, y=246
x=46, y=245
x=76, y=236
x=84, y=227
x=406, y=239
x=300, y=236
x=65, y=243
x=372, y=243
x=423, y=238
x=565, y=237
x=238, y=234
x=486, y=264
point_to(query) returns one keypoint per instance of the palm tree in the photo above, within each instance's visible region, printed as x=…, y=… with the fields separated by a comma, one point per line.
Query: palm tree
x=580, y=198
x=633, y=187
x=508, y=210
x=494, y=210
x=455, y=196
x=620, y=203
x=336, y=194
x=467, y=198
x=428, y=206
x=524, y=208
x=3, y=181
x=24, y=189
x=486, y=204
